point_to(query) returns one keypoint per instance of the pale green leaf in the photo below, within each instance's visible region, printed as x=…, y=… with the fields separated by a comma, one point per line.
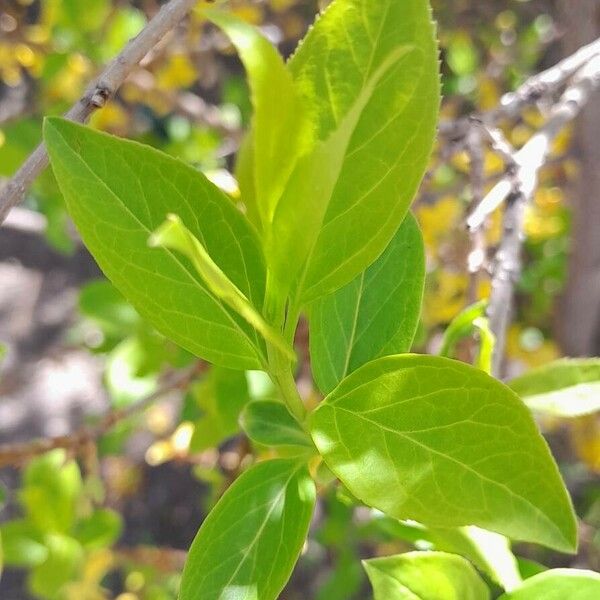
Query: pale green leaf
x=118, y=192
x=23, y=544
x=425, y=576
x=62, y=565
x=563, y=388
x=488, y=551
x=174, y=235
x=302, y=208
x=51, y=491
x=250, y=542
x=280, y=125
x=558, y=584
x=388, y=46
x=461, y=326
x=437, y=441
x=125, y=379
x=374, y=315
x=271, y=424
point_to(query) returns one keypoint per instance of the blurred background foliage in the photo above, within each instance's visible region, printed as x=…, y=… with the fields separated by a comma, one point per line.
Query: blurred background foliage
x=115, y=522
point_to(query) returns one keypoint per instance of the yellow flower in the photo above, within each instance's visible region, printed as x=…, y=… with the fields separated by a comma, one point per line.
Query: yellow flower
x=438, y=219
x=178, y=72
x=446, y=299
x=585, y=437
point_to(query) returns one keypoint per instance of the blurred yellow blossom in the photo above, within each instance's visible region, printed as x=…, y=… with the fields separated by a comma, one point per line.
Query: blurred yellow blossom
x=542, y=225
x=177, y=72
x=438, y=219
x=446, y=299
x=585, y=437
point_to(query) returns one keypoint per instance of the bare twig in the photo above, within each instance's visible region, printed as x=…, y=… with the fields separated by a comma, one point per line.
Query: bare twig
x=520, y=186
x=97, y=94
x=542, y=85
x=15, y=454
x=477, y=254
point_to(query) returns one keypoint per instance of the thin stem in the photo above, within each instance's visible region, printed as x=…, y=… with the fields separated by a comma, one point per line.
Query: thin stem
x=97, y=94
x=280, y=369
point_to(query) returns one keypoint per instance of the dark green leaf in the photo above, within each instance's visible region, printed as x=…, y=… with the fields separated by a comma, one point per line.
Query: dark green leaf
x=374, y=315
x=271, y=424
x=249, y=543
x=221, y=395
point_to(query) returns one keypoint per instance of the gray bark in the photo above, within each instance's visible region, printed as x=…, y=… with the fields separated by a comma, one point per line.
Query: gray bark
x=579, y=314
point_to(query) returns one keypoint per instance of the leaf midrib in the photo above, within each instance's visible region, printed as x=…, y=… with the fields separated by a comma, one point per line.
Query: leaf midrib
x=194, y=280
x=427, y=448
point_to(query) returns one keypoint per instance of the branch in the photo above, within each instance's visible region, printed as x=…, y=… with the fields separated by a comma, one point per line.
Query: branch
x=544, y=84
x=97, y=94
x=14, y=454
x=520, y=186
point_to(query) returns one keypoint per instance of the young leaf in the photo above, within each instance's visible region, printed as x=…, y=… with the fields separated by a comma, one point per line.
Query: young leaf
x=63, y=563
x=279, y=125
x=23, y=544
x=390, y=140
x=425, y=576
x=118, y=192
x=437, y=441
x=174, y=235
x=558, y=584
x=375, y=315
x=249, y=543
x=51, y=491
x=461, y=326
x=271, y=424
x=563, y=388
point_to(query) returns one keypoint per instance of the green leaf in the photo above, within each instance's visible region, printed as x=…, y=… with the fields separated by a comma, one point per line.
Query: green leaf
x=118, y=192
x=271, y=424
x=104, y=304
x=461, y=326
x=375, y=315
x=100, y=530
x=425, y=576
x=63, y=564
x=437, y=441
x=22, y=543
x=174, y=235
x=469, y=320
x=51, y=490
x=563, y=388
x=488, y=551
x=558, y=584
x=380, y=60
x=249, y=543
x=280, y=124
x=125, y=379
x=221, y=395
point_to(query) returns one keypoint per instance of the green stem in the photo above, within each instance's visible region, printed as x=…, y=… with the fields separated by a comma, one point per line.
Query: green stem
x=280, y=369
